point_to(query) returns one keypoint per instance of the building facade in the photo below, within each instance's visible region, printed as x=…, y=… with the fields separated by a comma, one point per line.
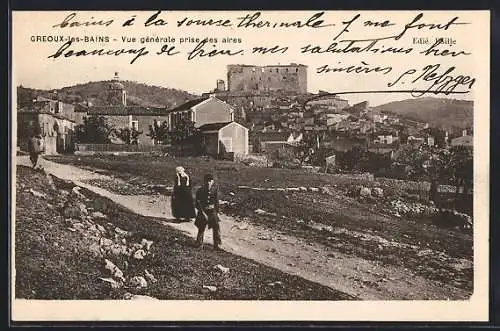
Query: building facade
x=55, y=121
x=288, y=78
x=202, y=111
x=222, y=139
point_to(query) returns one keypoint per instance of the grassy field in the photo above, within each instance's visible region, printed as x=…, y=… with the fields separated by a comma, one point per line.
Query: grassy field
x=53, y=262
x=295, y=211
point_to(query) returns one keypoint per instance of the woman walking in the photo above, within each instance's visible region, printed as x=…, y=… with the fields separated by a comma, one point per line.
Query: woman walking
x=182, y=198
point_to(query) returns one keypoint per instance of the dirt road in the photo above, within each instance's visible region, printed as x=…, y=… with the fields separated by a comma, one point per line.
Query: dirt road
x=353, y=275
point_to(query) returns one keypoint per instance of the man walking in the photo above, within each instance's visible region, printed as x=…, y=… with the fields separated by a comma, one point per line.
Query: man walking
x=35, y=147
x=207, y=203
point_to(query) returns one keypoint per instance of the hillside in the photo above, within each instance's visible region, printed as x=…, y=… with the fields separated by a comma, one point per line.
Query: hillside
x=445, y=113
x=138, y=94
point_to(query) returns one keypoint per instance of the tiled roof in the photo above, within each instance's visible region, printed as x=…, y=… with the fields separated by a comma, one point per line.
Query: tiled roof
x=188, y=105
x=125, y=110
x=213, y=126
x=56, y=115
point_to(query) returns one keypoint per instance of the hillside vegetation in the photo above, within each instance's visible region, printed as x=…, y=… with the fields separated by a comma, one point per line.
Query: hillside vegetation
x=445, y=113
x=138, y=94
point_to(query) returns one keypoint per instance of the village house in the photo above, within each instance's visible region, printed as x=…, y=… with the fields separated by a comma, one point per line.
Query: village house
x=121, y=116
x=132, y=117
x=54, y=119
x=205, y=110
x=265, y=142
x=465, y=140
x=222, y=139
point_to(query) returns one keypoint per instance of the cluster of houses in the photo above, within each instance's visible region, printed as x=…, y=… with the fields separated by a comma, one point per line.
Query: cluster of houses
x=57, y=120
x=235, y=122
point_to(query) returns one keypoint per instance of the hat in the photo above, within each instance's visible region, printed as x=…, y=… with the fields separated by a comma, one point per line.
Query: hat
x=208, y=177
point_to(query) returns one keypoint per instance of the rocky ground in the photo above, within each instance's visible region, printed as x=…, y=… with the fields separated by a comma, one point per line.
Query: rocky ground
x=364, y=238
x=73, y=244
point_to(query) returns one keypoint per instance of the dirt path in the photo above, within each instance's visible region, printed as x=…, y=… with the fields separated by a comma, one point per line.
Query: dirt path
x=355, y=276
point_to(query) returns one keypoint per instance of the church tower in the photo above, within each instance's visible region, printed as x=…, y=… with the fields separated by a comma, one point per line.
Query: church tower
x=116, y=94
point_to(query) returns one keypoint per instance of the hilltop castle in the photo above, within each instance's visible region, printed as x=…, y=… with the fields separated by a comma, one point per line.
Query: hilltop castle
x=248, y=78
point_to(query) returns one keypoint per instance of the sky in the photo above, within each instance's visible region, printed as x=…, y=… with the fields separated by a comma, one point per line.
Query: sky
x=33, y=68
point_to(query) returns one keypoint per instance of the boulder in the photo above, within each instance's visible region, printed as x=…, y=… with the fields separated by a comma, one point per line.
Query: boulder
x=138, y=282
x=326, y=190
x=71, y=211
x=365, y=192
x=378, y=192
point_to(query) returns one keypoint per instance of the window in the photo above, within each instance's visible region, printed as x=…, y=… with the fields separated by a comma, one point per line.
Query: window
x=296, y=69
x=276, y=69
x=135, y=125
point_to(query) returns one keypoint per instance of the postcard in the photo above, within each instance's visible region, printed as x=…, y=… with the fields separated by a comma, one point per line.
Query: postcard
x=250, y=165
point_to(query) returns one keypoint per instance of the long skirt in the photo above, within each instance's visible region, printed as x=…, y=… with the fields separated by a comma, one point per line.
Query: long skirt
x=182, y=203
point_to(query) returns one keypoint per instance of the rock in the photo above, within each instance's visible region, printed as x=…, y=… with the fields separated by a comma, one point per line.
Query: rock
x=76, y=191
x=113, y=269
x=263, y=212
x=326, y=190
x=303, y=189
x=136, y=246
x=140, y=254
x=222, y=269
x=122, y=233
x=64, y=193
x=146, y=244
x=293, y=189
x=314, y=189
x=138, y=282
x=150, y=276
x=112, y=282
x=365, y=192
x=130, y=296
x=117, y=249
x=95, y=249
x=78, y=226
x=210, y=288
x=231, y=194
x=83, y=208
x=38, y=194
x=71, y=211
x=106, y=242
x=378, y=192
x=100, y=228
x=98, y=214
x=243, y=226
x=276, y=284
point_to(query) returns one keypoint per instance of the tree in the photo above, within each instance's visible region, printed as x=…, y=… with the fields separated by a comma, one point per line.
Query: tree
x=184, y=131
x=128, y=135
x=160, y=133
x=426, y=163
x=462, y=169
x=185, y=134
x=94, y=130
x=354, y=157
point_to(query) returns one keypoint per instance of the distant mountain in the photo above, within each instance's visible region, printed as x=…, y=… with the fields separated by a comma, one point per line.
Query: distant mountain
x=444, y=113
x=138, y=94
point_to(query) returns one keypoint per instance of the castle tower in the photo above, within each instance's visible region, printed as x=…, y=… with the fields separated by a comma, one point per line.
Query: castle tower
x=116, y=94
x=221, y=86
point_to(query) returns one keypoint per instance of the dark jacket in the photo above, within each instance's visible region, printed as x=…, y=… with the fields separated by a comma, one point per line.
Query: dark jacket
x=207, y=201
x=35, y=145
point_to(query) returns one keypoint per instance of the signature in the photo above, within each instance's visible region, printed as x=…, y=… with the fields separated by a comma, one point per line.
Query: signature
x=439, y=80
